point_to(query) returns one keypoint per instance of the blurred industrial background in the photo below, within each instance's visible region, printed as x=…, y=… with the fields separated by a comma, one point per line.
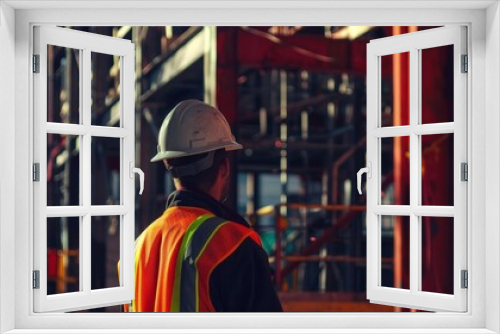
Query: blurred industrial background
x=296, y=99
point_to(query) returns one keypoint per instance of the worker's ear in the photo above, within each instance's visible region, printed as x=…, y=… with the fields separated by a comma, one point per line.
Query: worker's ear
x=225, y=168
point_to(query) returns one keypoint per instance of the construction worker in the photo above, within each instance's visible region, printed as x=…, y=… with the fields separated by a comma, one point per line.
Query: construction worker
x=200, y=255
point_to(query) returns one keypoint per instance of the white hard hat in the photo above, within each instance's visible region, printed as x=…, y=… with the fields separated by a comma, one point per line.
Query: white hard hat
x=191, y=128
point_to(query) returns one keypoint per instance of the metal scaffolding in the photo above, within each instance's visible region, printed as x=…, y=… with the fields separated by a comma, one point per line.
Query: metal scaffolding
x=295, y=96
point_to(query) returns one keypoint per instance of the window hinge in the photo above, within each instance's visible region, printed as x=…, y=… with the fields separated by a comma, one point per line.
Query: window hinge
x=36, y=279
x=465, y=279
x=464, y=172
x=36, y=63
x=465, y=64
x=36, y=172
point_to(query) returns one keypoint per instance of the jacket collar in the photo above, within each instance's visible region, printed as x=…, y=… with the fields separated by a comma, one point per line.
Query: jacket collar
x=188, y=197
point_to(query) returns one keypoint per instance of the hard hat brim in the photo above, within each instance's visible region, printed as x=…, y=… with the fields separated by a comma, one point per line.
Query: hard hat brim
x=179, y=154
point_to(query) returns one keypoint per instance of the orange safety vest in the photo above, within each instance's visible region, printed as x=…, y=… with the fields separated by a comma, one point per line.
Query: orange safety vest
x=175, y=256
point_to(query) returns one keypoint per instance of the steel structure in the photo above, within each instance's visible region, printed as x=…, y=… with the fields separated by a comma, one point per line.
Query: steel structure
x=295, y=96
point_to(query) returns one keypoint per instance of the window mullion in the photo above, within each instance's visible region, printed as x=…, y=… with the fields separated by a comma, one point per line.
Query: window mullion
x=415, y=170
x=81, y=167
x=373, y=184
x=85, y=264
x=128, y=157
x=124, y=173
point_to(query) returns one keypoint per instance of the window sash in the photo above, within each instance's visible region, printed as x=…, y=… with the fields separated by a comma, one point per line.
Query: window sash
x=413, y=298
x=86, y=43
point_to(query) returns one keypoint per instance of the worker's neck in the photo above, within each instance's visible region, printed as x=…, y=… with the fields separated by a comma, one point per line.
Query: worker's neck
x=214, y=191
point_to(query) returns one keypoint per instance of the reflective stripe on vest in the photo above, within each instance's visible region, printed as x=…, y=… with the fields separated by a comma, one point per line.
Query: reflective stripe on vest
x=176, y=297
x=189, y=273
x=196, y=260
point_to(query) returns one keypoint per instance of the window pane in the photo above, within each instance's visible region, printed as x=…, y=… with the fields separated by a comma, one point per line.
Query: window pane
x=63, y=85
x=105, y=89
x=63, y=170
x=395, y=89
x=395, y=251
x=437, y=254
x=106, y=171
x=105, y=251
x=437, y=84
x=395, y=158
x=63, y=245
x=437, y=169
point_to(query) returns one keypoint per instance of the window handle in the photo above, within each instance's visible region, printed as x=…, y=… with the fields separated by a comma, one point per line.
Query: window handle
x=133, y=170
x=368, y=171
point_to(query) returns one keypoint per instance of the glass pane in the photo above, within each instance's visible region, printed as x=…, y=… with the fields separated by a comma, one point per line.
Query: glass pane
x=395, y=86
x=105, y=89
x=63, y=85
x=395, y=160
x=105, y=251
x=437, y=169
x=395, y=251
x=63, y=245
x=437, y=254
x=105, y=171
x=437, y=84
x=63, y=170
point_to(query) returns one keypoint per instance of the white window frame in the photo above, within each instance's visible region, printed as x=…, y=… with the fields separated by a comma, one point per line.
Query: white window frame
x=483, y=125
x=86, y=43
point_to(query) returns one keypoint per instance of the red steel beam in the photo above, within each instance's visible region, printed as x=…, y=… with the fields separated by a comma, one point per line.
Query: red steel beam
x=227, y=73
x=226, y=93
x=401, y=116
x=262, y=50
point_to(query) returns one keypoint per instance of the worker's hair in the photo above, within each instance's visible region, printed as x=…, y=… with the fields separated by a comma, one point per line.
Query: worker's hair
x=205, y=179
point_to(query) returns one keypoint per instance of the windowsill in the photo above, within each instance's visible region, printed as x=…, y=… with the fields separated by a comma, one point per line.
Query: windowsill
x=258, y=331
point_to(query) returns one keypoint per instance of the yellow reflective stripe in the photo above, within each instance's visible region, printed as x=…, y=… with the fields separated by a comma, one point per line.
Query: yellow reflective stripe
x=175, y=305
x=196, y=280
x=131, y=307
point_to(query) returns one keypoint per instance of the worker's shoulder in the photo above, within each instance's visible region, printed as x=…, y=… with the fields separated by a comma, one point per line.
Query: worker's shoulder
x=177, y=215
x=233, y=225
x=175, y=218
x=238, y=231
